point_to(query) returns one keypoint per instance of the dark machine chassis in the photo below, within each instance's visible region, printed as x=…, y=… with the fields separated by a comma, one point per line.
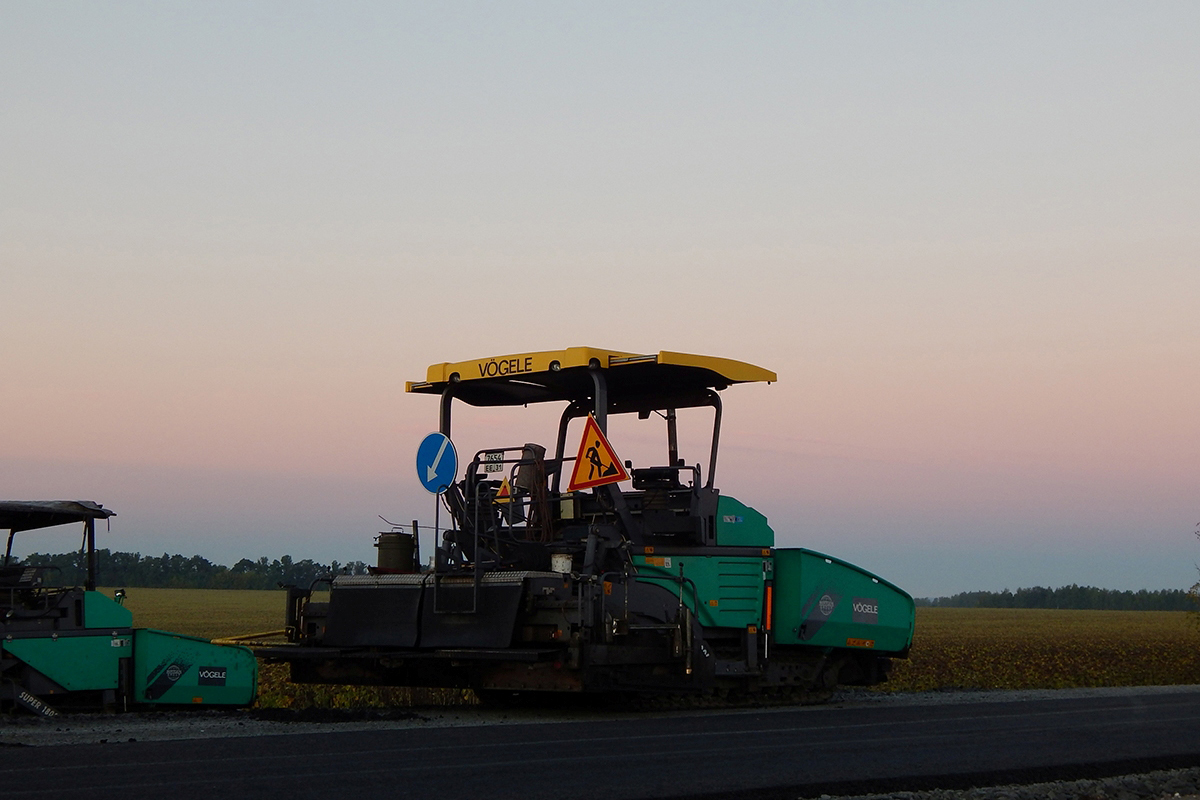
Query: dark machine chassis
x=659, y=648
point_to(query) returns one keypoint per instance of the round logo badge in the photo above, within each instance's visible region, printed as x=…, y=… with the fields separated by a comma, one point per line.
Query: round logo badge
x=175, y=673
x=826, y=605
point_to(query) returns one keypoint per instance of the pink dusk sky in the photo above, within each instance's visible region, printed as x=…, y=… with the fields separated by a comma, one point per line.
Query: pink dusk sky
x=965, y=235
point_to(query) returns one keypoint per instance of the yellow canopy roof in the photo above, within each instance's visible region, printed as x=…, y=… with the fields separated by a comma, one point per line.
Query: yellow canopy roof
x=632, y=378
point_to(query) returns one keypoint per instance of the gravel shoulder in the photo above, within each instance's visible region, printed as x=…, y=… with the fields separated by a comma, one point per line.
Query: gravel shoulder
x=1175, y=784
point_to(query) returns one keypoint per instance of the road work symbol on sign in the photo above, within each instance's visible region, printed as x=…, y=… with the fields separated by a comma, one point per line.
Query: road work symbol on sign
x=596, y=463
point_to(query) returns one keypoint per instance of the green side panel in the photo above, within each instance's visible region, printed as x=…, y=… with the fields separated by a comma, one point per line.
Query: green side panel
x=101, y=611
x=76, y=663
x=172, y=668
x=729, y=591
x=822, y=601
x=739, y=525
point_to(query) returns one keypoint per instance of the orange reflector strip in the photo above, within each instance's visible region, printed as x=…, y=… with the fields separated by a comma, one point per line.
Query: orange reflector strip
x=770, y=604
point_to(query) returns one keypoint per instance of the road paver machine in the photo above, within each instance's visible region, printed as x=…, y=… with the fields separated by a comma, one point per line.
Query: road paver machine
x=569, y=570
x=73, y=646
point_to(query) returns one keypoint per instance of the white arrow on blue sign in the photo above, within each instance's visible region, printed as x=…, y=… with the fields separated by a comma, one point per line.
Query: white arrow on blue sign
x=437, y=462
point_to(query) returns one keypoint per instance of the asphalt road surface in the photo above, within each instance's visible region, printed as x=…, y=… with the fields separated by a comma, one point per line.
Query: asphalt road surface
x=800, y=752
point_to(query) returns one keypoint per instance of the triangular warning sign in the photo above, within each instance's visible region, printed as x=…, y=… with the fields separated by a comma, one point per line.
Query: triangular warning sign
x=596, y=463
x=504, y=493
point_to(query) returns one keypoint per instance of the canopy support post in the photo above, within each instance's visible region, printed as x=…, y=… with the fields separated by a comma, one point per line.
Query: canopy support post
x=444, y=415
x=600, y=397
x=90, y=526
x=715, y=402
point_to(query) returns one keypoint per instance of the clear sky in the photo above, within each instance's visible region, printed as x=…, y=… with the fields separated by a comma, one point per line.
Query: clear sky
x=963, y=234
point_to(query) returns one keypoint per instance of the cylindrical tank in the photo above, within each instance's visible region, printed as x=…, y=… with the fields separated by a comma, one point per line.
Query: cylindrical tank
x=395, y=552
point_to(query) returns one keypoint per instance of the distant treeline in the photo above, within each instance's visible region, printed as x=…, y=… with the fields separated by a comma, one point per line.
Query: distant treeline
x=180, y=572
x=1083, y=597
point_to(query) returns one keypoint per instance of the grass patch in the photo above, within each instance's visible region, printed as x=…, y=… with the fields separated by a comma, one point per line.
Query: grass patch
x=276, y=691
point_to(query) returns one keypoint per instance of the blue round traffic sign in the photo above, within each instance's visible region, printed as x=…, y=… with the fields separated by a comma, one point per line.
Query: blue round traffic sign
x=437, y=462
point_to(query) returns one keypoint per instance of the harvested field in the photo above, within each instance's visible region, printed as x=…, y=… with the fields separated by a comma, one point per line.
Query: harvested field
x=954, y=648
x=989, y=648
x=208, y=613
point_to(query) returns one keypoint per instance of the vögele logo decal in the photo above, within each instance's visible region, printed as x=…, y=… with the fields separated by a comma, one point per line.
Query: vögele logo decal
x=212, y=676
x=866, y=610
